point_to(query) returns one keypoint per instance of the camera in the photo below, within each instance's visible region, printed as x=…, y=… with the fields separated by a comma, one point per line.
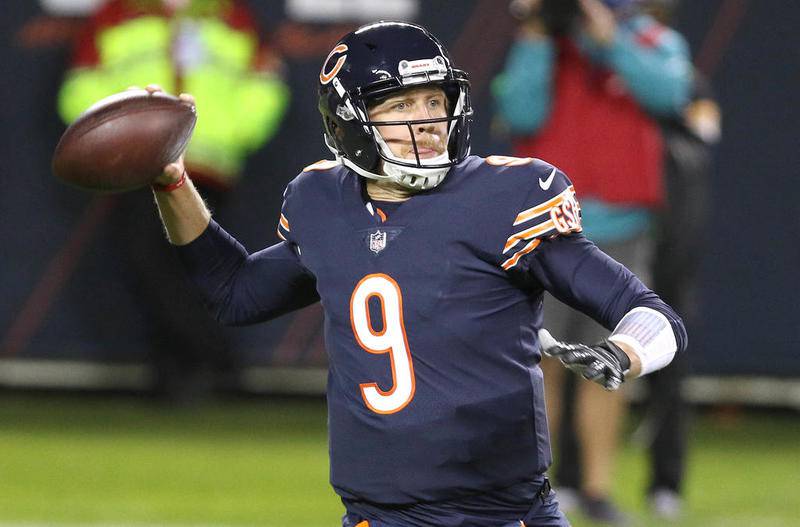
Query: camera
x=559, y=15
x=556, y=15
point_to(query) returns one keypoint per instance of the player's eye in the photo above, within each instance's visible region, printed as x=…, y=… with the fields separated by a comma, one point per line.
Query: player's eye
x=436, y=103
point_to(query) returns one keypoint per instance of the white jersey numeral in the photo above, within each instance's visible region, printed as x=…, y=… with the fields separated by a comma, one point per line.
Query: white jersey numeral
x=391, y=339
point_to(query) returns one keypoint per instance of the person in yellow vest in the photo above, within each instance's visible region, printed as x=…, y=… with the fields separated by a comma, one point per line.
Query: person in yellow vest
x=214, y=50
x=210, y=48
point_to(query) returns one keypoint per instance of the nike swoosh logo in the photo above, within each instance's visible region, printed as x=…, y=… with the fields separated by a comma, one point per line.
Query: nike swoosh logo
x=547, y=182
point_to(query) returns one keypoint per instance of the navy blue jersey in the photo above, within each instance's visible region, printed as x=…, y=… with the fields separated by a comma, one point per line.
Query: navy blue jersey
x=431, y=314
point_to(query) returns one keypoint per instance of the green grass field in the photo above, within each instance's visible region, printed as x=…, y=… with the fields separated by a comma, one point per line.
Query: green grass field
x=90, y=460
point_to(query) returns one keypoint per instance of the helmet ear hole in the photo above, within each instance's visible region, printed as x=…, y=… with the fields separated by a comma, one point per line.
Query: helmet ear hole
x=334, y=128
x=333, y=134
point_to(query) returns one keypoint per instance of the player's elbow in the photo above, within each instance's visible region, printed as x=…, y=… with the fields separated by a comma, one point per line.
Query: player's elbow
x=238, y=312
x=224, y=309
x=227, y=315
x=654, y=302
x=681, y=336
x=676, y=324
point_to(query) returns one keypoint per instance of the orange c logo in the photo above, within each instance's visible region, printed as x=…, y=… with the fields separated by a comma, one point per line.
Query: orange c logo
x=324, y=77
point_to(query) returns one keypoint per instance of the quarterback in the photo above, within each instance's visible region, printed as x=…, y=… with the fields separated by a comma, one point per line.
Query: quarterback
x=430, y=264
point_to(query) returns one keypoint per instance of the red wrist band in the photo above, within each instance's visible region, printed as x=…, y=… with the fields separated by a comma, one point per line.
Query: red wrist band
x=171, y=186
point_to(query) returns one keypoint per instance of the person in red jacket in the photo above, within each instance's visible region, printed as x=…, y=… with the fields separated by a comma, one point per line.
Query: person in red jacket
x=584, y=85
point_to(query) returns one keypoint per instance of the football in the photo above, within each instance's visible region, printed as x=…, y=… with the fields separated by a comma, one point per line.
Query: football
x=124, y=141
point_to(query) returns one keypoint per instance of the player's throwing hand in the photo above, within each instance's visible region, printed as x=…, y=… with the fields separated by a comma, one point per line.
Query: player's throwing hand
x=604, y=363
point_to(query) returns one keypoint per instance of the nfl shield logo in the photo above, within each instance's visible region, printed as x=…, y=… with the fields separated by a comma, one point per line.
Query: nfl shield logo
x=377, y=241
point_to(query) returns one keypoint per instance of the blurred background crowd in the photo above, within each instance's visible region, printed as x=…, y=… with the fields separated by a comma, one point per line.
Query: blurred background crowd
x=675, y=120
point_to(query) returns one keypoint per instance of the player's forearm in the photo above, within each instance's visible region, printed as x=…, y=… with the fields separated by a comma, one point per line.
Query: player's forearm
x=183, y=213
x=646, y=328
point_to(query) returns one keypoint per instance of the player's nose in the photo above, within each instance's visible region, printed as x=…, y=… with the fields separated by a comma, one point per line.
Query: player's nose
x=423, y=128
x=425, y=114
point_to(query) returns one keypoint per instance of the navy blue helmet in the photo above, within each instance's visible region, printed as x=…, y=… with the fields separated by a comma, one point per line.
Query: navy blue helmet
x=370, y=64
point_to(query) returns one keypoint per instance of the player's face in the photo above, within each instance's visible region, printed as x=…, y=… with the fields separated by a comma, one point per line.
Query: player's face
x=426, y=102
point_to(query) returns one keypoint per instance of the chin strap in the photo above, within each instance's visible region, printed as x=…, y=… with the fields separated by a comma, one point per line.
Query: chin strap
x=415, y=178
x=418, y=178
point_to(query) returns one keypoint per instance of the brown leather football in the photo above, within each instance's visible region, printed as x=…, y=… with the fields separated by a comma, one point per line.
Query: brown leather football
x=124, y=141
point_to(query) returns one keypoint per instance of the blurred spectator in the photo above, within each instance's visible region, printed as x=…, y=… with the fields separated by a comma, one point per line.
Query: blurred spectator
x=213, y=49
x=583, y=87
x=347, y=11
x=688, y=140
x=678, y=229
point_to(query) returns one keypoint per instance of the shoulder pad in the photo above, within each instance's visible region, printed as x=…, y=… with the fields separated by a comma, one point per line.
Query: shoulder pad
x=322, y=164
x=313, y=181
x=537, y=178
x=508, y=161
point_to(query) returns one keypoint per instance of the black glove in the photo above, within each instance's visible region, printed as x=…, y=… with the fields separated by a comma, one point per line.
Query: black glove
x=604, y=363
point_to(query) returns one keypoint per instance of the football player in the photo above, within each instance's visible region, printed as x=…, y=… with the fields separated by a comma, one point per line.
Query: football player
x=430, y=264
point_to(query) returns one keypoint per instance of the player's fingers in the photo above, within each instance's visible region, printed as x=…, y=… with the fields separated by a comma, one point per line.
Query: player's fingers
x=153, y=88
x=560, y=351
x=594, y=371
x=567, y=364
x=594, y=376
x=575, y=367
x=552, y=352
x=187, y=97
x=568, y=357
x=613, y=383
x=575, y=357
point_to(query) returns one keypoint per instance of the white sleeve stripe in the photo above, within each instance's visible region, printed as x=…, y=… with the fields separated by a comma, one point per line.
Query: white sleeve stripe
x=284, y=223
x=650, y=335
x=527, y=234
x=538, y=210
x=511, y=262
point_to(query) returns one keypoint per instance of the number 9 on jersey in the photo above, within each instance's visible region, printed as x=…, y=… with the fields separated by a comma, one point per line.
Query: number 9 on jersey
x=391, y=339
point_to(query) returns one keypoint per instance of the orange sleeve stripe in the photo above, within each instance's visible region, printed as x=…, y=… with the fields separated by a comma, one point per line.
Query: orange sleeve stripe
x=511, y=262
x=531, y=213
x=381, y=214
x=283, y=222
x=528, y=234
x=281, y=236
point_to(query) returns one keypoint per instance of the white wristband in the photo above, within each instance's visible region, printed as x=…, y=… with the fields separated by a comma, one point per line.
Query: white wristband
x=650, y=335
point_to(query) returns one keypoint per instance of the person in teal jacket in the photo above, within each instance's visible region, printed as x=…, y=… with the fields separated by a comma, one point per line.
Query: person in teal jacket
x=585, y=90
